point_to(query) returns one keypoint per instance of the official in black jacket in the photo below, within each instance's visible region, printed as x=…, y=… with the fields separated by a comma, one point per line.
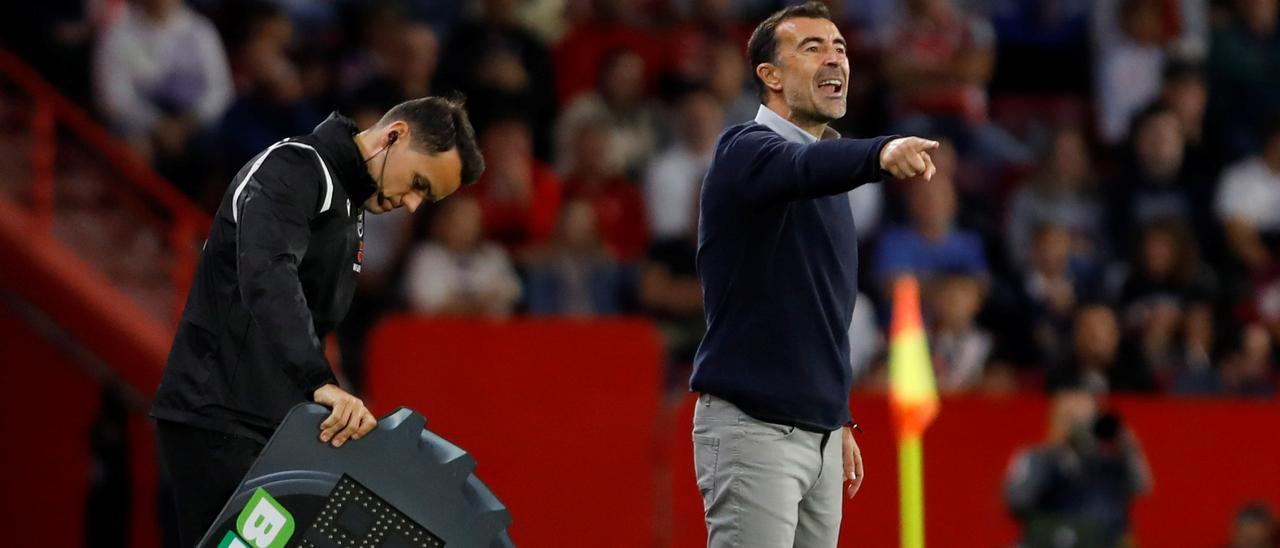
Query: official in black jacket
x=276, y=275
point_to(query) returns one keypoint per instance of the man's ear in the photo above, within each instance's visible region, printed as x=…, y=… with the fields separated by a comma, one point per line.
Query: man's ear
x=770, y=75
x=399, y=129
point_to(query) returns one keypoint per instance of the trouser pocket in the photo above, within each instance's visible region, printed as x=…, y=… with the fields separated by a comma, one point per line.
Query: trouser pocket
x=706, y=457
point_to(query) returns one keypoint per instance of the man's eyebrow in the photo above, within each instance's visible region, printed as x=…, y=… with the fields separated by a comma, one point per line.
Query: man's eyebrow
x=837, y=40
x=811, y=39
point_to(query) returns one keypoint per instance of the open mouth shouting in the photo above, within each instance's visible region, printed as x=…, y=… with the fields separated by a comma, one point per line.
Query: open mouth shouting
x=832, y=87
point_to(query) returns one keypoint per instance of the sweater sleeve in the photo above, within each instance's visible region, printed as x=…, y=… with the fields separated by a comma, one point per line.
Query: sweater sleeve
x=779, y=170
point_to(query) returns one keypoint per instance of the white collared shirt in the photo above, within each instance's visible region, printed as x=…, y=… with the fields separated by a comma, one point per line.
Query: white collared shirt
x=789, y=131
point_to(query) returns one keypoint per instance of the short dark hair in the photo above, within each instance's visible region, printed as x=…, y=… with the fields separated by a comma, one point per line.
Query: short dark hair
x=439, y=124
x=763, y=45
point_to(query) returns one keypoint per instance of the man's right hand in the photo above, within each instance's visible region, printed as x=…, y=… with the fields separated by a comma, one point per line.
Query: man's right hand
x=349, y=419
x=908, y=157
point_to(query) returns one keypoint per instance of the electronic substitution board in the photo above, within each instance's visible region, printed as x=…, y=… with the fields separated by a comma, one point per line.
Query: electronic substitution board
x=400, y=486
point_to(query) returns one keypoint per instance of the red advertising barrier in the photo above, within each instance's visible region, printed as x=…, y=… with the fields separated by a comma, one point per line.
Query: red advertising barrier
x=560, y=416
x=46, y=415
x=566, y=421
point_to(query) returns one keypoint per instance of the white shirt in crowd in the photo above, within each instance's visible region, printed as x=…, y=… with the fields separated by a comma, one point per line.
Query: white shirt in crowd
x=435, y=275
x=142, y=67
x=635, y=134
x=866, y=341
x=671, y=190
x=960, y=358
x=1250, y=192
x=867, y=202
x=1127, y=75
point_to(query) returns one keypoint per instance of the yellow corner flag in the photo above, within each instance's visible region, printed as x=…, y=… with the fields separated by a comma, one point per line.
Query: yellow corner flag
x=913, y=398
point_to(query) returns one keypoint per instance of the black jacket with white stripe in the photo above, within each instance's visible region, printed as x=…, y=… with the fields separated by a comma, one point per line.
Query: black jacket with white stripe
x=276, y=275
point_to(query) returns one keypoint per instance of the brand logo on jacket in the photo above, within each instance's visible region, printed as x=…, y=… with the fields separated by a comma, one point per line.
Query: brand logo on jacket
x=356, y=266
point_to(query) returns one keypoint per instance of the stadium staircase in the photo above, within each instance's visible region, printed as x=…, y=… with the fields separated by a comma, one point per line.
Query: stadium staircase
x=97, y=254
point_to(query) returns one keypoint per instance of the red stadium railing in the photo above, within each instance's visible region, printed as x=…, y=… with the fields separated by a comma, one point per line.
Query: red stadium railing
x=52, y=111
x=128, y=327
x=56, y=265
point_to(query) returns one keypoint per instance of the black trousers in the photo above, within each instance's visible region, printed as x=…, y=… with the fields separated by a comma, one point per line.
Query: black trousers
x=204, y=468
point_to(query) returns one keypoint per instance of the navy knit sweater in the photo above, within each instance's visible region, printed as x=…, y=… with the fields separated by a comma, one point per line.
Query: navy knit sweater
x=778, y=264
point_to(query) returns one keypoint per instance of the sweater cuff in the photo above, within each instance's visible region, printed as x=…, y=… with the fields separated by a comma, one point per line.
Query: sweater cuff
x=884, y=175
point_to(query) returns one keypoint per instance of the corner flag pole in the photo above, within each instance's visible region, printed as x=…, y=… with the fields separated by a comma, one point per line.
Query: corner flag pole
x=913, y=400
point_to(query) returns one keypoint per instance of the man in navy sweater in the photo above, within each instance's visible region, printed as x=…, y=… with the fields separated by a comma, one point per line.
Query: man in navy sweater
x=777, y=259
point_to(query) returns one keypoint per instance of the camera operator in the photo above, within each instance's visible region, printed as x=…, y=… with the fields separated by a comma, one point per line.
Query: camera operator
x=1079, y=484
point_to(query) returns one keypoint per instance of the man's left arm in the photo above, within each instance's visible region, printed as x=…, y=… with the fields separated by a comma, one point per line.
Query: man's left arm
x=852, y=461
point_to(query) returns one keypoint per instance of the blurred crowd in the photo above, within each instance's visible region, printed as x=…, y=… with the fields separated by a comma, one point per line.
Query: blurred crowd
x=1106, y=214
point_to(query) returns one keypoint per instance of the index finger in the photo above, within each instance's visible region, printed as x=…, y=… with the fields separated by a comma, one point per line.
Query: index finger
x=929, y=167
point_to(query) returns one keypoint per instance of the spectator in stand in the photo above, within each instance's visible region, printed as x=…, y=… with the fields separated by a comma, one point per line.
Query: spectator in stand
x=1246, y=206
x=575, y=275
x=497, y=62
x=618, y=203
x=160, y=77
x=619, y=99
x=674, y=177
x=959, y=347
x=520, y=195
x=727, y=82
x=376, y=41
x=406, y=73
x=1063, y=194
x=1131, y=40
x=1249, y=371
x=1248, y=203
x=1245, y=371
x=1096, y=365
x=939, y=62
x=458, y=272
x=1254, y=527
x=1199, y=346
x=1052, y=286
x=1186, y=91
x=1080, y=483
x=700, y=27
x=1244, y=73
x=670, y=293
x=1155, y=183
x=601, y=28
x=1165, y=289
x=932, y=243
x=271, y=103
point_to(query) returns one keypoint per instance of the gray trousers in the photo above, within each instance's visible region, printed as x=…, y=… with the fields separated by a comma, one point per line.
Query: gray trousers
x=765, y=484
